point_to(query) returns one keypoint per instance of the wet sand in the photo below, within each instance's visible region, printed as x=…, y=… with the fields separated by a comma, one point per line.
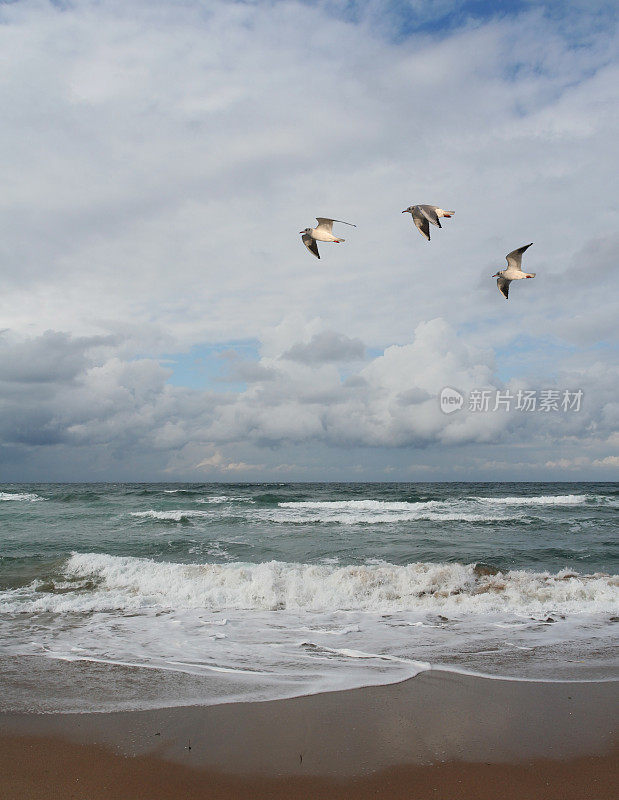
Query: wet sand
x=438, y=735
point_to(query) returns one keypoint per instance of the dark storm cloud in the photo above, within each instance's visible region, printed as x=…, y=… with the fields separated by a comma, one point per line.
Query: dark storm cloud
x=53, y=357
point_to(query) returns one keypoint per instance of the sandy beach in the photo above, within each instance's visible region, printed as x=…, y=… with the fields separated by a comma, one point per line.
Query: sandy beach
x=438, y=735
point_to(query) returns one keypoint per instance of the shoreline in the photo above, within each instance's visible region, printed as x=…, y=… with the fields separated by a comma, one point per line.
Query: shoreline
x=438, y=729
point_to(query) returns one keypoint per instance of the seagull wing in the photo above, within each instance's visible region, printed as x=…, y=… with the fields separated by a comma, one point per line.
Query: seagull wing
x=430, y=214
x=311, y=244
x=422, y=223
x=514, y=259
x=325, y=222
x=503, y=284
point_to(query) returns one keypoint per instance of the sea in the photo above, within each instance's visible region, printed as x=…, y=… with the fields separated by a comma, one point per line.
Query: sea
x=131, y=596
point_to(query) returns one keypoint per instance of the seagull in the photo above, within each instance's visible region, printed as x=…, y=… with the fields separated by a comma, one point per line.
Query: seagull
x=323, y=232
x=423, y=215
x=513, y=272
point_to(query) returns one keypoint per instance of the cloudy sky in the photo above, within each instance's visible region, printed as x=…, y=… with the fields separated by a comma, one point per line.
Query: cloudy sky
x=160, y=318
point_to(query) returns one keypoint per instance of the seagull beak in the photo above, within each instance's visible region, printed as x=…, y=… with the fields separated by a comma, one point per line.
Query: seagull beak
x=405, y=210
x=496, y=275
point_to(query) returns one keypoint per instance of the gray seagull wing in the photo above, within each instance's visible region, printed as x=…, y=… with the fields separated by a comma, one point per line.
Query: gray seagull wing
x=430, y=214
x=311, y=244
x=503, y=284
x=514, y=259
x=422, y=223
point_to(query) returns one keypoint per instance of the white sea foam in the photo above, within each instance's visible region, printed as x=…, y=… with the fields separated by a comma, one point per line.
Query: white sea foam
x=541, y=500
x=349, y=653
x=122, y=583
x=332, y=631
x=179, y=491
x=360, y=505
x=371, y=512
x=224, y=498
x=347, y=518
x=28, y=497
x=473, y=509
x=170, y=516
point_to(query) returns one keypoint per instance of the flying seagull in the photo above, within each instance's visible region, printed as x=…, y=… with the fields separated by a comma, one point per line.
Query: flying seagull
x=513, y=272
x=323, y=232
x=423, y=215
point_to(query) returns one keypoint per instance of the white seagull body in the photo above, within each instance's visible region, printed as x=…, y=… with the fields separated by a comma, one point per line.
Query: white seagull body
x=323, y=232
x=423, y=215
x=513, y=272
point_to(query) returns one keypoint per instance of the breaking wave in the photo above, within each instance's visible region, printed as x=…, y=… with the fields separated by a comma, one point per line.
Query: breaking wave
x=542, y=500
x=105, y=582
x=169, y=516
x=224, y=498
x=353, y=512
x=20, y=496
x=369, y=512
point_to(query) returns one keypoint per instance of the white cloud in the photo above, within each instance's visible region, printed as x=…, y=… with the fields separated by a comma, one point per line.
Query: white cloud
x=126, y=412
x=160, y=159
x=609, y=461
x=219, y=463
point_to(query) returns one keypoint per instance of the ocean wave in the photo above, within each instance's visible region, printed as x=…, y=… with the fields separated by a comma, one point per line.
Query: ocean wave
x=345, y=512
x=267, y=499
x=170, y=516
x=126, y=583
x=224, y=498
x=360, y=505
x=541, y=500
x=78, y=496
x=371, y=512
x=344, y=518
x=28, y=497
